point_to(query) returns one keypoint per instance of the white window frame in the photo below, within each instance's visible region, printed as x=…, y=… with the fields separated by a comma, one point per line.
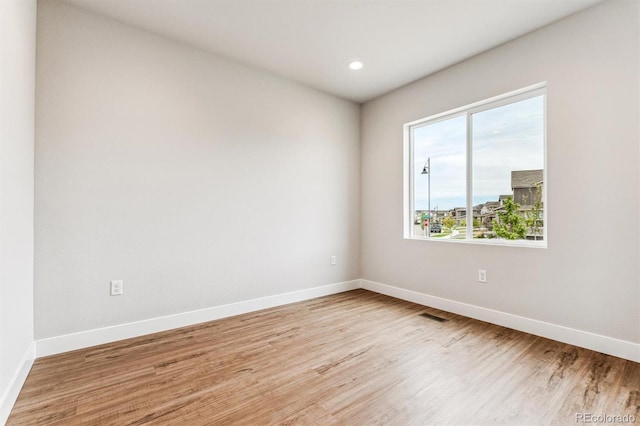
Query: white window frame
x=535, y=90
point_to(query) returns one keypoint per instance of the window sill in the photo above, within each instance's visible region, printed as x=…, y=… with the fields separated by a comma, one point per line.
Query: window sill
x=485, y=242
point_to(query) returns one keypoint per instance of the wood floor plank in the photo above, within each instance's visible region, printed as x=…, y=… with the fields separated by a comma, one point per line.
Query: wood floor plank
x=351, y=358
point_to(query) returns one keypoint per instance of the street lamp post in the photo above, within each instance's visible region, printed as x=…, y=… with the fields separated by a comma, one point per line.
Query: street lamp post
x=426, y=170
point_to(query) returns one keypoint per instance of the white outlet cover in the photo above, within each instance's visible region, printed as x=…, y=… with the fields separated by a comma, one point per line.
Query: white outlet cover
x=117, y=287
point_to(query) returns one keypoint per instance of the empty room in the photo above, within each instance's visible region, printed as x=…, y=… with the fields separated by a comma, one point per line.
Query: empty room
x=397, y=212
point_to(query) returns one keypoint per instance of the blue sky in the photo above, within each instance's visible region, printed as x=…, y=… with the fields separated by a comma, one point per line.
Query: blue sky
x=506, y=138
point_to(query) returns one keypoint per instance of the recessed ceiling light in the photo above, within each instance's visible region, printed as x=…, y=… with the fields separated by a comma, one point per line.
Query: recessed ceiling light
x=356, y=65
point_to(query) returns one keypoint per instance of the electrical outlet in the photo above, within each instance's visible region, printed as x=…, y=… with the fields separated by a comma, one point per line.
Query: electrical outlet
x=117, y=288
x=333, y=261
x=482, y=276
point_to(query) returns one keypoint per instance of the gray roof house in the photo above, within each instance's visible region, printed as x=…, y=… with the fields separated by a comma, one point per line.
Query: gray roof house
x=524, y=183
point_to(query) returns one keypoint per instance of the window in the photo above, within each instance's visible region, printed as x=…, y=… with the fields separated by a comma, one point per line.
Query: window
x=478, y=173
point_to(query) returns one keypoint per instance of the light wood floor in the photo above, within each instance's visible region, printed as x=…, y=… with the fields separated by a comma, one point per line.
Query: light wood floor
x=352, y=358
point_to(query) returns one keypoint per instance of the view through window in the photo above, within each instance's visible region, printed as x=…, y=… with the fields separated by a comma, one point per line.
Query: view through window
x=477, y=173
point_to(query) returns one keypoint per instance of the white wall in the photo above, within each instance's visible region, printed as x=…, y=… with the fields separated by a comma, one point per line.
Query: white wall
x=588, y=278
x=17, y=85
x=197, y=181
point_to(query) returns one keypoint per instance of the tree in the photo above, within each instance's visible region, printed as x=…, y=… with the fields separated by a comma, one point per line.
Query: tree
x=449, y=222
x=510, y=225
x=534, y=216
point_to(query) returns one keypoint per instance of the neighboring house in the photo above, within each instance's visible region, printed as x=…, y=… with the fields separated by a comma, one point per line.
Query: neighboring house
x=524, y=184
x=488, y=211
x=503, y=197
x=460, y=214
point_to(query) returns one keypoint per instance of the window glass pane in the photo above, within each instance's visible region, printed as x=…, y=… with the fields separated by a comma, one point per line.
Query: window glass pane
x=440, y=186
x=508, y=163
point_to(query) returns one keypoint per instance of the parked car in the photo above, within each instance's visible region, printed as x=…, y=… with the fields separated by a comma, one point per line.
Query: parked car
x=435, y=227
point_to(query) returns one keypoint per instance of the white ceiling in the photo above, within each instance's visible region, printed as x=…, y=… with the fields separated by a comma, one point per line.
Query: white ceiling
x=312, y=41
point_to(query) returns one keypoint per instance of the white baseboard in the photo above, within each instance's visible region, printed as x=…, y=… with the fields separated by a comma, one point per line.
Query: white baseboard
x=584, y=339
x=84, y=339
x=15, y=385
